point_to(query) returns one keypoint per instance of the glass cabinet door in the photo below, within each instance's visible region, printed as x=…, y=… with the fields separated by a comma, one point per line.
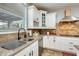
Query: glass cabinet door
x=43, y=20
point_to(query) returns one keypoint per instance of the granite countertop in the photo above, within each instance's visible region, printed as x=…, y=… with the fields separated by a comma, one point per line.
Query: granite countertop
x=5, y=52
x=63, y=36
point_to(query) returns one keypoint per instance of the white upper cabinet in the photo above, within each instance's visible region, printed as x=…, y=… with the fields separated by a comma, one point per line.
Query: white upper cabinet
x=33, y=17
x=40, y=18
x=43, y=15
x=51, y=20
x=36, y=18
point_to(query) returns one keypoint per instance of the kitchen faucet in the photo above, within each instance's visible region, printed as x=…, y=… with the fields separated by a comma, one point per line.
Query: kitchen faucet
x=19, y=33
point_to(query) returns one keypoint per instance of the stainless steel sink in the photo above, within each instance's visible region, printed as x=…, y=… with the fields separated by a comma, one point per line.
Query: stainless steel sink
x=12, y=44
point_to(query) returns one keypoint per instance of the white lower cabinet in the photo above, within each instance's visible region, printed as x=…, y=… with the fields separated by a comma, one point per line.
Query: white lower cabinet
x=45, y=41
x=31, y=50
x=35, y=49
x=60, y=43
x=66, y=44
x=51, y=42
x=48, y=41
x=63, y=45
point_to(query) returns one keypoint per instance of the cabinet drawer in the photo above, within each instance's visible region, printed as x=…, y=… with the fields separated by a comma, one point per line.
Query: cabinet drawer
x=73, y=41
x=48, y=42
x=66, y=44
x=69, y=40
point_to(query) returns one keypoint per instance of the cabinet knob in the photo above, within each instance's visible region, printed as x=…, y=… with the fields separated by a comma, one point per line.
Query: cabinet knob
x=29, y=54
x=53, y=40
x=70, y=48
x=70, y=42
x=24, y=55
x=32, y=53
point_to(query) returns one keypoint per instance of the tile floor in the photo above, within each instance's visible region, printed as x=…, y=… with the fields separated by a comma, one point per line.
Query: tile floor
x=47, y=52
x=51, y=53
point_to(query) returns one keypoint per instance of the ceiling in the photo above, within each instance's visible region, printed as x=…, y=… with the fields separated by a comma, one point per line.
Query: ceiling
x=16, y=8
x=53, y=6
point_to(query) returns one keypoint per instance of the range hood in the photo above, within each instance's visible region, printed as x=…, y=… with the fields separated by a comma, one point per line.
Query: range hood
x=68, y=16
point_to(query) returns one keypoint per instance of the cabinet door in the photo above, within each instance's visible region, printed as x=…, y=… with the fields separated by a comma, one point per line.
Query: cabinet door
x=35, y=49
x=33, y=17
x=43, y=15
x=36, y=18
x=51, y=42
x=46, y=41
x=51, y=20
x=59, y=44
x=30, y=17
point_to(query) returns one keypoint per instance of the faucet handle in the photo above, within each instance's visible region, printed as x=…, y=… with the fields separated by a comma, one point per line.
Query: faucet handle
x=19, y=38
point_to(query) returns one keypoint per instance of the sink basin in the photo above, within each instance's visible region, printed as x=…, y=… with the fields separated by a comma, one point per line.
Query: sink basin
x=12, y=44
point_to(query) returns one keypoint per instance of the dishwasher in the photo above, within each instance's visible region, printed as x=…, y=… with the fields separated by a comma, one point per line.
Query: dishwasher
x=40, y=44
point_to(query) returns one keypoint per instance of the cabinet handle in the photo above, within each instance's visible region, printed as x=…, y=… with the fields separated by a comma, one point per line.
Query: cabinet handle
x=53, y=40
x=29, y=54
x=32, y=53
x=71, y=42
x=70, y=48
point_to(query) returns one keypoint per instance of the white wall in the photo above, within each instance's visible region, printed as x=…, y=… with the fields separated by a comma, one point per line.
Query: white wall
x=75, y=11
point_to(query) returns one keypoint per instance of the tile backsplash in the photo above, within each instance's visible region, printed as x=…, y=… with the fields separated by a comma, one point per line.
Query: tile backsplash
x=9, y=36
x=44, y=31
x=68, y=28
